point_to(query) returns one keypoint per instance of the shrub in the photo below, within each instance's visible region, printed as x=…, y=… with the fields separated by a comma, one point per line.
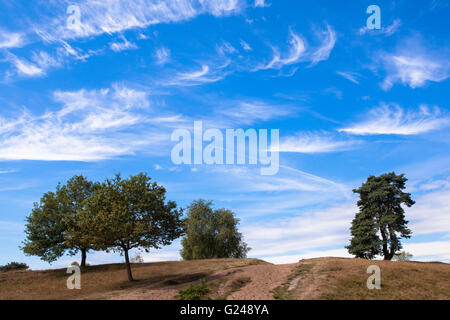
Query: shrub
x=137, y=259
x=402, y=256
x=194, y=292
x=14, y=266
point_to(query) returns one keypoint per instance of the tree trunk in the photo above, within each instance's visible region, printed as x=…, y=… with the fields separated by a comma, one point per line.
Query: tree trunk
x=127, y=260
x=385, y=247
x=393, y=244
x=83, y=258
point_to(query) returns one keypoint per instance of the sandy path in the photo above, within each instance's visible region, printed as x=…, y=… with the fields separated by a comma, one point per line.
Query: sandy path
x=265, y=278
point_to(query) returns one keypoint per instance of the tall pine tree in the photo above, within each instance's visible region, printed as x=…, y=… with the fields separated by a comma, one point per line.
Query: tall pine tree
x=380, y=214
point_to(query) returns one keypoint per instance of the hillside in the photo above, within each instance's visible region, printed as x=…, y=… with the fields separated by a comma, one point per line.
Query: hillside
x=321, y=278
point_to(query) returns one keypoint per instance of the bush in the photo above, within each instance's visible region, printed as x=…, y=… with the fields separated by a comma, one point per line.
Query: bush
x=137, y=259
x=402, y=256
x=194, y=292
x=14, y=266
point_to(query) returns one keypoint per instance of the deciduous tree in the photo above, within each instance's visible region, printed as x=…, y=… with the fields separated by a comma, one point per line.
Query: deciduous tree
x=211, y=233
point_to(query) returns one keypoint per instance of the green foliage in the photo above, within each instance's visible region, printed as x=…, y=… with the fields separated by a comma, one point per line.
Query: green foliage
x=14, y=266
x=73, y=198
x=194, y=291
x=130, y=213
x=402, y=256
x=211, y=233
x=380, y=213
x=52, y=228
x=45, y=229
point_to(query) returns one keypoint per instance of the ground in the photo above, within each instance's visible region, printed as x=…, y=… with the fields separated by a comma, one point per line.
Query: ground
x=235, y=279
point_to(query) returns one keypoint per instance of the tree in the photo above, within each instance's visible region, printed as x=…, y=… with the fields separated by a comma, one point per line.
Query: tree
x=73, y=197
x=45, y=229
x=211, y=233
x=52, y=228
x=131, y=213
x=380, y=213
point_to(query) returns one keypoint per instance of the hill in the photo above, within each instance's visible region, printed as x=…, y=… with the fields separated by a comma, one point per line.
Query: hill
x=321, y=278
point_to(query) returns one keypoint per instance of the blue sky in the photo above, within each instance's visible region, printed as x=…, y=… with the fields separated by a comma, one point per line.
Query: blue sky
x=349, y=102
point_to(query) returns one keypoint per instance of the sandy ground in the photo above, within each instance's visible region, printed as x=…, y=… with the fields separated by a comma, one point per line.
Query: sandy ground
x=264, y=278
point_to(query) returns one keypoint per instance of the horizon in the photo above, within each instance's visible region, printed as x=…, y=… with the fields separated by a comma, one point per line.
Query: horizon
x=103, y=90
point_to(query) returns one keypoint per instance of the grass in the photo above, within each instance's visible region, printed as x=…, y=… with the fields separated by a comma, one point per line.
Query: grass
x=100, y=281
x=345, y=279
x=321, y=278
x=282, y=292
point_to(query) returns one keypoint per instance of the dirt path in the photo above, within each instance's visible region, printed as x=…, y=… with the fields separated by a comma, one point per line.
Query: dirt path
x=264, y=279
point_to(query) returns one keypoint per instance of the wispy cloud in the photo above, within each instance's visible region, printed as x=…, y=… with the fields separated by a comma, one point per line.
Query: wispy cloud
x=261, y=4
x=197, y=77
x=122, y=45
x=25, y=68
x=114, y=16
x=162, y=55
x=305, y=142
x=387, y=31
x=90, y=125
x=248, y=112
x=11, y=39
x=245, y=45
x=414, y=67
x=350, y=76
x=296, y=49
x=392, y=119
x=323, y=51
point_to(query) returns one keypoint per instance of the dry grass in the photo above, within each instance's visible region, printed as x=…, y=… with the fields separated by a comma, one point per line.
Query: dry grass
x=321, y=278
x=98, y=282
x=339, y=278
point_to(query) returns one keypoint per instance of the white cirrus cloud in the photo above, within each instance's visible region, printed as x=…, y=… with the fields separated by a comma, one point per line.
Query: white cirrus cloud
x=91, y=125
x=162, y=55
x=113, y=16
x=387, y=31
x=296, y=49
x=307, y=142
x=413, y=69
x=196, y=77
x=261, y=4
x=350, y=76
x=122, y=45
x=392, y=119
x=24, y=67
x=323, y=52
x=11, y=39
x=248, y=112
x=245, y=45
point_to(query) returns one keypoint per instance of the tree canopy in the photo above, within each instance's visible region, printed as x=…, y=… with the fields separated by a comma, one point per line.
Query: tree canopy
x=380, y=214
x=130, y=213
x=211, y=233
x=52, y=228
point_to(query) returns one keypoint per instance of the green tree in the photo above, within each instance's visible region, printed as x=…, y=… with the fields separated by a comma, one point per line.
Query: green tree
x=380, y=214
x=211, y=233
x=73, y=197
x=131, y=213
x=45, y=229
x=52, y=228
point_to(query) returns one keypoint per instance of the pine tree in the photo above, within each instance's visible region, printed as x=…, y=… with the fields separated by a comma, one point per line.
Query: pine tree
x=380, y=214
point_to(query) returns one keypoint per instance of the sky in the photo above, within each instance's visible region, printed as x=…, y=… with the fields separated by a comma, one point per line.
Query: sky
x=99, y=87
